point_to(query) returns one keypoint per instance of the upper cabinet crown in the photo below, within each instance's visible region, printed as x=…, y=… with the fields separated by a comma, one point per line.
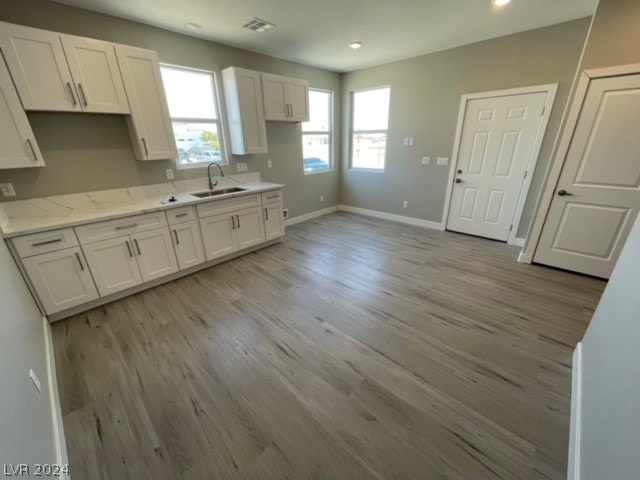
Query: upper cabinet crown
x=285, y=99
x=58, y=72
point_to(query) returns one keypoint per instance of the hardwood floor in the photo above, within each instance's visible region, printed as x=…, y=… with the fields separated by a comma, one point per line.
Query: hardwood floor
x=357, y=348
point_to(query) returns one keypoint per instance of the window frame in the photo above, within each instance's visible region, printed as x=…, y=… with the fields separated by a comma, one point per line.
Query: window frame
x=224, y=156
x=352, y=131
x=329, y=133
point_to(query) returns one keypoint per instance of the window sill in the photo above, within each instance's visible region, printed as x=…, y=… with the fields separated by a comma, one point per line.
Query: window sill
x=362, y=169
x=317, y=172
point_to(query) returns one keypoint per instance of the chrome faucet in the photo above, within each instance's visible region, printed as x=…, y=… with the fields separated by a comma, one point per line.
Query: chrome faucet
x=211, y=185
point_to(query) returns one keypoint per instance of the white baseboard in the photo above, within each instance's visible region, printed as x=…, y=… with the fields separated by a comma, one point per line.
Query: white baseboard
x=54, y=395
x=523, y=257
x=518, y=242
x=393, y=217
x=308, y=216
x=573, y=472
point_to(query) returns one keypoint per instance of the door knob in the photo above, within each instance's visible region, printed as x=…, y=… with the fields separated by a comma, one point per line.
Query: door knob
x=562, y=193
x=459, y=171
x=458, y=180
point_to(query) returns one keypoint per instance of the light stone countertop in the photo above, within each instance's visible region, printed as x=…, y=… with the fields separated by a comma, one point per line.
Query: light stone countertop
x=23, y=217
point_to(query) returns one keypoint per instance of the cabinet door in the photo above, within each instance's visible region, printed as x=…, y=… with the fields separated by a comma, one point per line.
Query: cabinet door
x=249, y=227
x=155, y=254
x=149, y=123
x=113, y=265
x=219, y=235
x=94, y=69
x=276, y=106
x=298, y=99
x=38, y=68
x=61, y=279
x=245, y=111
x=19, y=147
x=187, y=241
x=273, y=221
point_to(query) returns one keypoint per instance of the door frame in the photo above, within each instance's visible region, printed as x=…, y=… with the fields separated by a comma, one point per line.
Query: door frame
x=562, y=150
x=550, y=89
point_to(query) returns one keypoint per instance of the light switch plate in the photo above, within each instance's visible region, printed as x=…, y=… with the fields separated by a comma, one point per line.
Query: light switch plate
x=405, y=204
x=443, y=161
x=406, y=142
x=269, y=164
x=169, y=173
x=7, y=190
x=411, y=142
x=241, y=166
x=426, y=160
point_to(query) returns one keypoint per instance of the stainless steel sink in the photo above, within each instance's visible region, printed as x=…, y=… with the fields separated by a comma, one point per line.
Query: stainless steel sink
x=215, y=193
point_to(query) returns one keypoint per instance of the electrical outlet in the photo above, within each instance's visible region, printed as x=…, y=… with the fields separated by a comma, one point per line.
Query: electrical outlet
x=269, y=164
x=405, y=204
x=7, y=190
x=426, y=160
x=443, y=161
x=322, y=198
x=169, y=173
x=34, y=379
x=241, y=166
x=285, y=213
x=411, y=142
x=406, y=142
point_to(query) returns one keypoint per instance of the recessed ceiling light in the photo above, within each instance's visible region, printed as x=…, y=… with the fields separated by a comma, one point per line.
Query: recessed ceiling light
x=194, y=27
x=355, y=45
x=499, y=3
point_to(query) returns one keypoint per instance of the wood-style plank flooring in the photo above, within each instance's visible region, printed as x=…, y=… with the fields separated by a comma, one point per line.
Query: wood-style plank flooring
x=355, y=349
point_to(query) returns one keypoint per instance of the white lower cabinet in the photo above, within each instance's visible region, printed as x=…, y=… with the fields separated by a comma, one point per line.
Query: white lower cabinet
x=249, y=227
x=219, y=235
x=273, y=221
x=187, y=241
x=155, y=254
x=113, y=265
x=61, y=279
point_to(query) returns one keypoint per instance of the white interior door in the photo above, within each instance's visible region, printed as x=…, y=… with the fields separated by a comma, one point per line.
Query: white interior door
x=497, y=144
x=598, y=193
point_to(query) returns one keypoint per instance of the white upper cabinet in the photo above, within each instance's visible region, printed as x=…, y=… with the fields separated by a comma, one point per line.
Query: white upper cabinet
x=97, y=77
x=149, y=123
x=285, y=99
x=245, y=111
x=61, y=72
x=19, y=147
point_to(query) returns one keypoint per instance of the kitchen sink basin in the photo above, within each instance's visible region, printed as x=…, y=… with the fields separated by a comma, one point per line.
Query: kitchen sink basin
x=215, y=193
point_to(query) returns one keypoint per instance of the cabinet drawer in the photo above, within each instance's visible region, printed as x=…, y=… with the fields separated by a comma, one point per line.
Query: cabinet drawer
x=272, y=197
x=95, y=232
x=45, y=242
x=181, y=215
x=218, y=207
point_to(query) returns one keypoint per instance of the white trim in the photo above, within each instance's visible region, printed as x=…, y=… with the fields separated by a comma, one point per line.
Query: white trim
x=54, y=399
x=517, y=241
x=551, y=90
x=573, y=472
x=523, y=258
x=564, y=142
x=393, y=217
x=308, y=216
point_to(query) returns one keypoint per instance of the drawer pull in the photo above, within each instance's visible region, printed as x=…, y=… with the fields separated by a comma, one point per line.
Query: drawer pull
x=175, y=232
x=122, y=227
x=266, y=213
x=129, y=248
x=46, y=242
x=144, y=144
x=179, y=215
x=33, y=150
x=271, y=197
x=238, y=217
x=137, y=246
x=80, y=261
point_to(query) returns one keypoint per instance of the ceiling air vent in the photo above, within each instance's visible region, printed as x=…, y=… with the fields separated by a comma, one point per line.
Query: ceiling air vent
x=258, y=25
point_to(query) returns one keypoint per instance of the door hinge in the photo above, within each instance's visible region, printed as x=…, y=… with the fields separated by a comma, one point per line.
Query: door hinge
x=526, y=172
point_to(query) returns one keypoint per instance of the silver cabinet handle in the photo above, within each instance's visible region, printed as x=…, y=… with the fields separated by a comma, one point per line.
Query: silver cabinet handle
x=73, y=97
x=291, y=110
x=266, y=213
x=175, y=232
x=80, y=261
x=137, y=246
x=271, y=197
x=82, y=95
x=46, y=242
x=233, y=223
x=238, y=218
x=144, y=144
x=122, y=227
x=33, y=150
x=181, y=215
x=129, y=248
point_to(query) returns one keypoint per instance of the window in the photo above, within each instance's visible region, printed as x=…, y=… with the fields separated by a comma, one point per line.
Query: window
x=193, y=107
x=316, y=133
x=369, y=128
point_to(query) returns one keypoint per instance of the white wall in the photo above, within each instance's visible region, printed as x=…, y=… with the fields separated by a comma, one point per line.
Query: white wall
x=610, y=413
x=26, y=425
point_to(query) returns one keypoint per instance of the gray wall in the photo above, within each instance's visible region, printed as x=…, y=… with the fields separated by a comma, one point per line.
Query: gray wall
x=610, y=419
x=26, y=424
x=87, y=152
x=425, y=98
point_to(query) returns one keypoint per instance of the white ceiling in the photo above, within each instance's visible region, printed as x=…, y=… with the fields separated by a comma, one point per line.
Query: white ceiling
x=316, y=32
